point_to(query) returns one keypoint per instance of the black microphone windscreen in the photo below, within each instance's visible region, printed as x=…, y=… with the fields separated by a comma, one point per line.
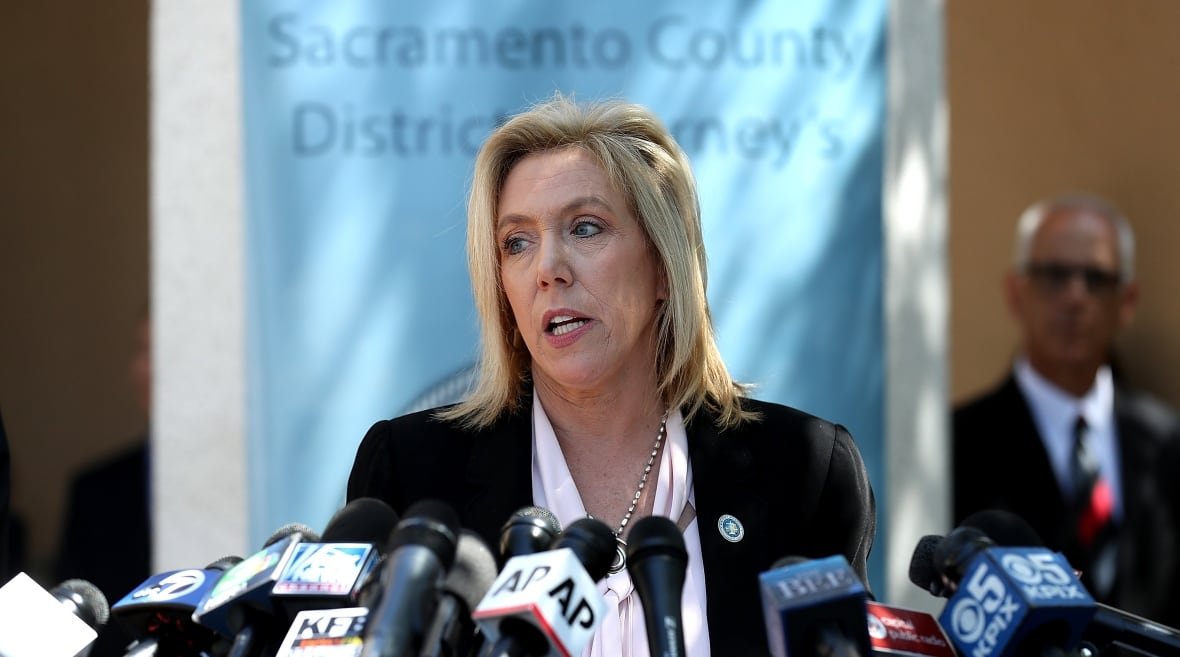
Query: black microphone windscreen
x=286, y=530
x=224, y=563
x=363, y=520
x=658, y=561
x=1004, y=528
x=432, y=524
x=789, y=560
x=953, y=554
x=922, y=572
x=530, y=530
x=88, y=601
x=593, y=543
x=655, y=535
x=474, y=570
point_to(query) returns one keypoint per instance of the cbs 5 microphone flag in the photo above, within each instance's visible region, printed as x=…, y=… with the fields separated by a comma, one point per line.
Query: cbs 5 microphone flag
x=1010, y=598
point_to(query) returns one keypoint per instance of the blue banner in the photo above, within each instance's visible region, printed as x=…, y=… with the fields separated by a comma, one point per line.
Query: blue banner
x=362, y=119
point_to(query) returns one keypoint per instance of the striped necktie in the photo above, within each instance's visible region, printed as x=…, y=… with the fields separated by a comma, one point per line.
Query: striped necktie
x=1093, y=498
x=1093, y=509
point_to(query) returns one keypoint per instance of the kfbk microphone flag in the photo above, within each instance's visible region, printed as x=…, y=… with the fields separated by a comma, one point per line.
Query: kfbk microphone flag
x=1009, y=599
x=321, y=632
x=550, y=591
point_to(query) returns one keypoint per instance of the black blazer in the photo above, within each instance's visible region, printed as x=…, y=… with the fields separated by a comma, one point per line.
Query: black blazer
x=1000, y=463
x=797, y=484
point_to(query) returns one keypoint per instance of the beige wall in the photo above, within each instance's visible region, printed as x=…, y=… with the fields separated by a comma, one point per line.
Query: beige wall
x=1051, y=96
x=73, y=241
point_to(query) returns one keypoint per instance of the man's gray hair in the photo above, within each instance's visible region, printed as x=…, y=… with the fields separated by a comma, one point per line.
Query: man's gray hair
x=1031, y=220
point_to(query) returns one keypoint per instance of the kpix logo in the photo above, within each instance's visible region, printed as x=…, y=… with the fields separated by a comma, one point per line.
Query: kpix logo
x=1042, y=576
x=986, y=611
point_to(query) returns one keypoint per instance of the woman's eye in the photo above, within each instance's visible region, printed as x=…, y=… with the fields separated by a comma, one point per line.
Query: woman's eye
x=586, y=229
x=513, y=245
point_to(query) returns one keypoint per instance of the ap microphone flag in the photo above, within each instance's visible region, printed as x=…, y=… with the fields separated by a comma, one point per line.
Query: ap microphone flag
x=549, y=590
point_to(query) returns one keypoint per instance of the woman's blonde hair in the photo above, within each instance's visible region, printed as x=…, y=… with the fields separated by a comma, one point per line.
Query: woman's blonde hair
x=643, y=162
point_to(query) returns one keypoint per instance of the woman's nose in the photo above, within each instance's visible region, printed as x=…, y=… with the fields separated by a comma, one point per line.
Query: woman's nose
x=553, y=265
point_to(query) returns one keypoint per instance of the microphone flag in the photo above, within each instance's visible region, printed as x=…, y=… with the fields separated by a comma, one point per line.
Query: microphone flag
x=33, y=623
x=323, y=632
x=1009, y=594
x=905, y=632
x=549, y=590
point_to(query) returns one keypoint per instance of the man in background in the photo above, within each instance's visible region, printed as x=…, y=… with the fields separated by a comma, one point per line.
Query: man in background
x=107, y=535
x=1087, y=462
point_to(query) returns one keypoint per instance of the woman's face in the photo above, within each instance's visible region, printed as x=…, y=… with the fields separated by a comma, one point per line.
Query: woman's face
x=582, y=282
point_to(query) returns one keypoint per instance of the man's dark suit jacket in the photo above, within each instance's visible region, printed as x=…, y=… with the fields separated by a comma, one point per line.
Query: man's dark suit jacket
x=797, y=483
x=1000, y=463
x=107, y=535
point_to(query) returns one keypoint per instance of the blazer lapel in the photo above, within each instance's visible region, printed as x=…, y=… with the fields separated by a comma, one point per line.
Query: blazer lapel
x=1022, y=469
x=499, y=471
x=722, y=470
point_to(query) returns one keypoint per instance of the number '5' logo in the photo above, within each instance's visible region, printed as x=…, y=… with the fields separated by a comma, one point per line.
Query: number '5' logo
x=987, y=588
x=1036, y=568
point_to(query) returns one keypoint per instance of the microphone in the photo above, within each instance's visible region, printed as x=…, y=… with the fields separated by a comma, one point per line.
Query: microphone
x=1109, y=626
x=320, y=586
x=331, y=573
x=922, y=571
x=363, y=520
x=451, y=633
x=895, y=631
x=592, y=542
x=1004, y=528
x=159, y=612
x=1008, y=601
x=239, y=604
x=530, y=530
x=547, y=603
x=60, y=622
x=814, y=607
x=421, y=550
x=335, y=632
x=658, y=561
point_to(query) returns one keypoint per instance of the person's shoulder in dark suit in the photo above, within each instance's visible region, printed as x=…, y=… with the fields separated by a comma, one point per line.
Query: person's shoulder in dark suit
x=1155, y=416
x=107, y=535
x=106, y=539
x=981, y=426
x=806, y=462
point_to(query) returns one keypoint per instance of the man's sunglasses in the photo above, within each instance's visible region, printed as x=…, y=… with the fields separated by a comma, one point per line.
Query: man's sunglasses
x=1056, y=276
